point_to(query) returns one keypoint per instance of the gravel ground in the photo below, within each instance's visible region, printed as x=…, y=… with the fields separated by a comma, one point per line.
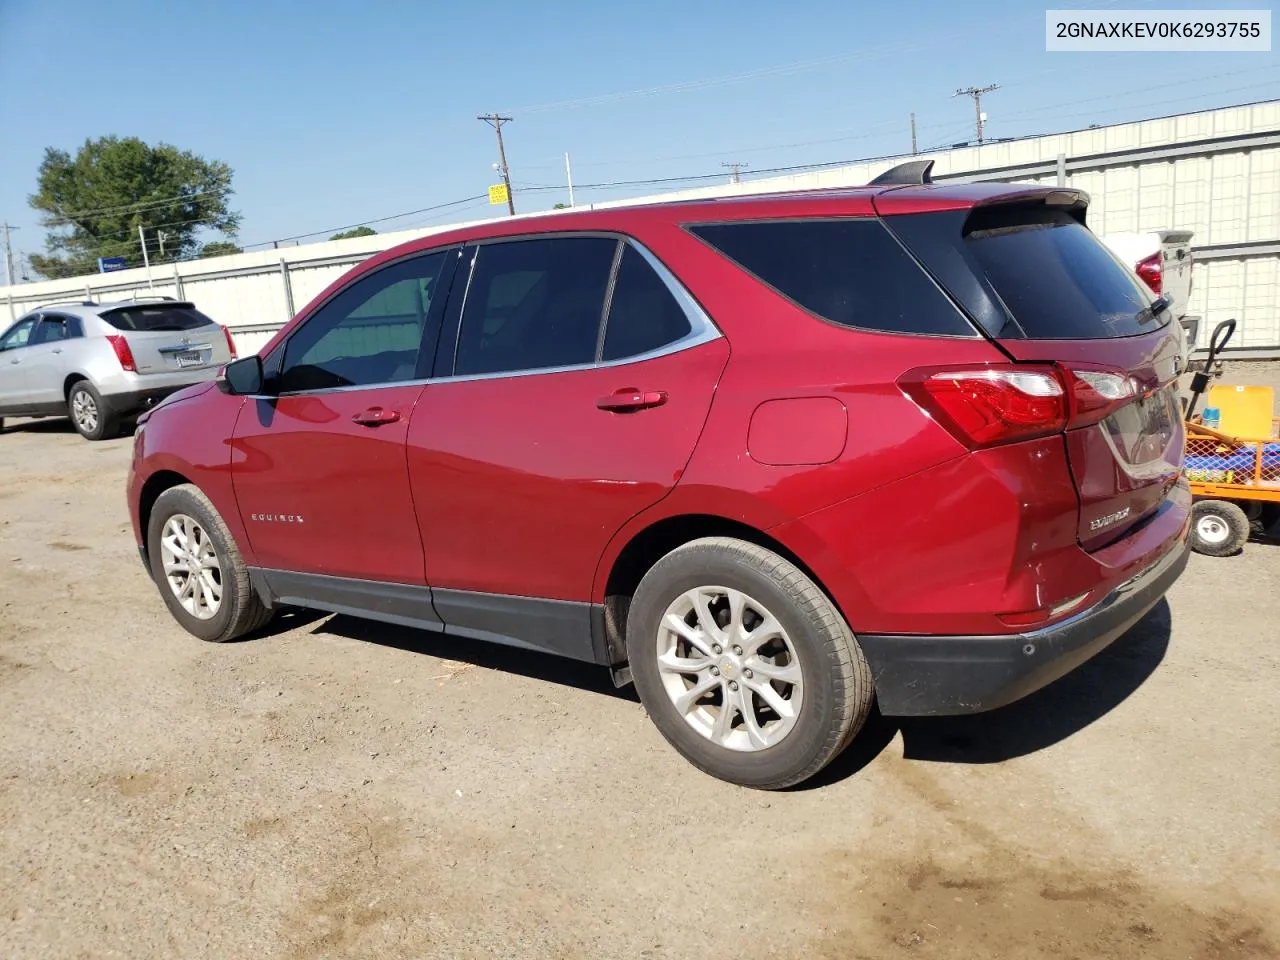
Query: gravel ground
x=344, y=789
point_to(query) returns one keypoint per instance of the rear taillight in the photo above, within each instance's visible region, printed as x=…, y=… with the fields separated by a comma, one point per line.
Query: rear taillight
x=121, y=346
x=1150, y=270
x=231, y=344
x=988, y=406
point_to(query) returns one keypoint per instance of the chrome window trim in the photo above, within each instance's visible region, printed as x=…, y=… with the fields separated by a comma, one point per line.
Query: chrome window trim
x=702, y=328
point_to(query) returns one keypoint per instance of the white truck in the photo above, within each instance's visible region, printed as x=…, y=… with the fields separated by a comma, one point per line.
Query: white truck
x=1162, y=258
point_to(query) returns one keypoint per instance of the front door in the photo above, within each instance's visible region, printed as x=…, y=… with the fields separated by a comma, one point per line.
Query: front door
x=13, y=373
x=581, y=378
x=318, y=463
x=46, y=361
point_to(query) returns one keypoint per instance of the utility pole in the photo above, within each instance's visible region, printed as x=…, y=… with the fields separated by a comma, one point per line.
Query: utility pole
x=914, y=151
x=737, y=170
x=8, y=254
x=568, y=175
x=160, y=234
x=976, y=93
x=142, y=239
x=496, y=121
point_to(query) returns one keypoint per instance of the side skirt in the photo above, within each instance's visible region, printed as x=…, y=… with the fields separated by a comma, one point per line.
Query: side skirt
x=565, y=628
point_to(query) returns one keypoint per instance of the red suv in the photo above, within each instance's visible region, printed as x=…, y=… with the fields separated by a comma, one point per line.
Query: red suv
x=769, y=457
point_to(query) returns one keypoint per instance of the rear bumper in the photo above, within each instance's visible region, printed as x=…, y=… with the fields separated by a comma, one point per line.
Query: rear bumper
x=947, y=675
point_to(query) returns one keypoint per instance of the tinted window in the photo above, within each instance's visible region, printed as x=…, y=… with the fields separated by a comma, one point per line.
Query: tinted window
x=643, y=314
x=370, y=333
x=156, y=316
x=51, y=329
x=18, y=334
x=850, y=272
x=533, y=304
x=1055, y=277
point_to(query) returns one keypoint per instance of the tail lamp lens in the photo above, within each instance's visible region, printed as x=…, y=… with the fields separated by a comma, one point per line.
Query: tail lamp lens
x=1151, y=271
x=121, y=346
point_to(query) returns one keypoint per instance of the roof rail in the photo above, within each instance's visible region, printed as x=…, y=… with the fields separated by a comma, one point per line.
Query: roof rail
x=66, y=303
x=911, y=172
x=154, y=296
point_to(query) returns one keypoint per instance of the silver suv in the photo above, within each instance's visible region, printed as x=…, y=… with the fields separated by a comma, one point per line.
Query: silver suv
x=103, y=363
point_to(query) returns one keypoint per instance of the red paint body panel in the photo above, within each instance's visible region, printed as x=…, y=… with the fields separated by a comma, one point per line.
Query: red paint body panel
x=304, y=457
x=521, y=481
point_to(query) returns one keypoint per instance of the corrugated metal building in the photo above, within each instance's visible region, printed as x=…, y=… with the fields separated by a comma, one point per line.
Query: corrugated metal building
x=1216, y=172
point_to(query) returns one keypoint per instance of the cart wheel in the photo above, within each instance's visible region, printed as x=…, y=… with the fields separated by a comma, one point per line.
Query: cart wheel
x=1219, y=528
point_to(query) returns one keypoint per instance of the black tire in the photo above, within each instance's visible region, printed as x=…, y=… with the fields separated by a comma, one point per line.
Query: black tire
x=240, y=610
x=103, y=425
x=1219, y=528
x=837, y=684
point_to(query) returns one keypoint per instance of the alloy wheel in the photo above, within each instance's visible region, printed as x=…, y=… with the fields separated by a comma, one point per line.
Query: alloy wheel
x=730, y=668
x=85, y=411
x=191, y=566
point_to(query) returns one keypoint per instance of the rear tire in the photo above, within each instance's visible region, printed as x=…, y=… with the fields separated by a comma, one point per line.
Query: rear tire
x=777, y=649
x=1219, y=528
x=198, y=568
x=91, y=417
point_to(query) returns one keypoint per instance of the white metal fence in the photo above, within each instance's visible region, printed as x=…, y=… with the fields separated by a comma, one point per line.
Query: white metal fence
x=1215, y=172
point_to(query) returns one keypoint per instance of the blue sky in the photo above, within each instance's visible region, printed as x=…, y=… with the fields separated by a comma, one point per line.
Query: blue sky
x=336, y=113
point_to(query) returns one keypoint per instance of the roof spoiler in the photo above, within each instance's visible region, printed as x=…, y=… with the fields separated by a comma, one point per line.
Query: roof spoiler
x=911, y=172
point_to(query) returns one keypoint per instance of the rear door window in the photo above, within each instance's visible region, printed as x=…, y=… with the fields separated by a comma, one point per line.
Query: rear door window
x=534, y=304
x=51, y=329
x=156, y=317
x=1055, y=277
x=847, y=271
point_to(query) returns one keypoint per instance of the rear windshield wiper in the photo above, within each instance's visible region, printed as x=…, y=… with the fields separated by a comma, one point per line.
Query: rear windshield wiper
x=1157, y=306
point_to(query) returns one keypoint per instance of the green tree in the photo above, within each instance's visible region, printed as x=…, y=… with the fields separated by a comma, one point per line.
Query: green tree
x=352, y=234
x=94, y=203
x=219, y=248
x=561, y=206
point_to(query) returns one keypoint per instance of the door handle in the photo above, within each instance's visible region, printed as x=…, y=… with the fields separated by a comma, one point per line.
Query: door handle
x=630, y=399
x=57, y=349
x=15, y=360
x=376, y=417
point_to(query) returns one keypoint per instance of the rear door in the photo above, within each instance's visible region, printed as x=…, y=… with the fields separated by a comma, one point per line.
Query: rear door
x=575, y=391
x=1047, y=291
x=169, y=337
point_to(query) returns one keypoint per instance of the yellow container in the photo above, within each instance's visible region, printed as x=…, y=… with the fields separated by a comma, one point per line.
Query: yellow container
x=1247, y=411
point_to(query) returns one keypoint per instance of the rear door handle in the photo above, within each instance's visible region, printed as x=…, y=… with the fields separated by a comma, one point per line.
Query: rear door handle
x=376, y=417
x=629, y=399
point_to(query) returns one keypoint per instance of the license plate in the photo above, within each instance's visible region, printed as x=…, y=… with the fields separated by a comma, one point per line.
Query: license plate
x=191, y=358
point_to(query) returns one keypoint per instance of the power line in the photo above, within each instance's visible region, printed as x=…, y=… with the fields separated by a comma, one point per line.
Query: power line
x=140, y=205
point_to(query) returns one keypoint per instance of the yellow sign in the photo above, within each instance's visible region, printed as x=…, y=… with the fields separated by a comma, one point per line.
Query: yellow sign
x=498, y=193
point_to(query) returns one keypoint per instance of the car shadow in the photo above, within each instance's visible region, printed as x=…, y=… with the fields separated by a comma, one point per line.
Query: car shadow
x=1044, y=718
x=42, y=425
x=1048, y=716
x=492, y=656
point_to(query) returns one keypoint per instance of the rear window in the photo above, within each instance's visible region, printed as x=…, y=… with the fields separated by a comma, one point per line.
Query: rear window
x=166, y=316
x=848, y=271
x=1055, y=277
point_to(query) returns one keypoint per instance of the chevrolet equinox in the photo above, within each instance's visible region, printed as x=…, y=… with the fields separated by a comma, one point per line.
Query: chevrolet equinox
x=770, y=457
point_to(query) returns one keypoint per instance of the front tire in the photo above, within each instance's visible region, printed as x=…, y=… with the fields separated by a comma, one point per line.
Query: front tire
x=91, y=417
x=198, y=568
x=744, y=664
x=1219, y=528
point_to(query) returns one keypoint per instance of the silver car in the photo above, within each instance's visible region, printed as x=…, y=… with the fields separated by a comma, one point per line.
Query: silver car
x=103, y=363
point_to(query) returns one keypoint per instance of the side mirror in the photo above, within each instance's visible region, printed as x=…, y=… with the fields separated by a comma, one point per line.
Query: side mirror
x=242, y=377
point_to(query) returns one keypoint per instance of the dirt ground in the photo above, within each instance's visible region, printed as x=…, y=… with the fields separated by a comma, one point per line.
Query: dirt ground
x=342, y=789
